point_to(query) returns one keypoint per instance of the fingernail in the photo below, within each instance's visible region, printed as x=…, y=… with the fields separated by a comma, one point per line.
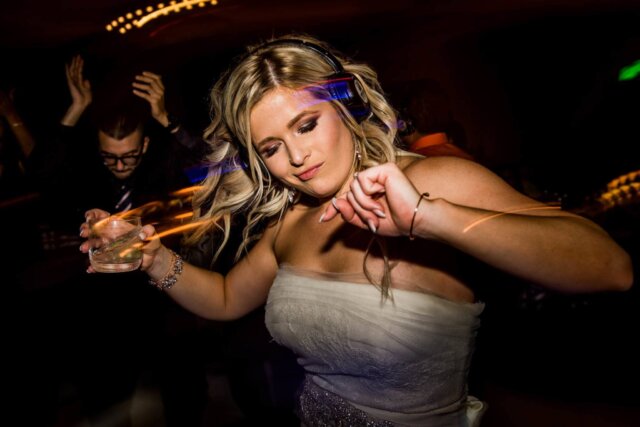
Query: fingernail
x=372, y=227
x=379, y=213
x=322, y=217
x=142, y=236
x=334, y=202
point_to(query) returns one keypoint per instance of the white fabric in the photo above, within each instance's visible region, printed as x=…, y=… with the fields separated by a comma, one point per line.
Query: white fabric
x=405, y=361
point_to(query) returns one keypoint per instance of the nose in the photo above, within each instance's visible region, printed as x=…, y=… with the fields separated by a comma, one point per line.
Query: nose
x=119, y=164
x=297, y=155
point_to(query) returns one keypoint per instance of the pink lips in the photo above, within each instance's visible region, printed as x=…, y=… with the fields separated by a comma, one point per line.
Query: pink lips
x=309, y=173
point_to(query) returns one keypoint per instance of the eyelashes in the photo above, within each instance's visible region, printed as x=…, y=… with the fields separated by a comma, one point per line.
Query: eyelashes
x=306, y=127
x=271, y=150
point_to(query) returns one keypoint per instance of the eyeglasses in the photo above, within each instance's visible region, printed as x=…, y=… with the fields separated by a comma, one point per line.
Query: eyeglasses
x=127, y=160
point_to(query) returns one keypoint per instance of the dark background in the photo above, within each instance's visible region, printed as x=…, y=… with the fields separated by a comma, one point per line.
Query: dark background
x=533, y=83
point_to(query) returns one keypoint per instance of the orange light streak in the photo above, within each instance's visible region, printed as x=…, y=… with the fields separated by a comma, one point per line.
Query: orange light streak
x=186, y=191
x=487, y=218
x=141, y=210
x=178, y=229
x=184, y=215
x=171, y=231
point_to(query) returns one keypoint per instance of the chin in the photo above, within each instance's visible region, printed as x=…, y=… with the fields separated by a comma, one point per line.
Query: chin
x=122, y=175
x=324, y=194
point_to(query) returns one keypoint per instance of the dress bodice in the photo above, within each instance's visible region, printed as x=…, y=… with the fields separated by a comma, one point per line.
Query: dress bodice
x=404, y=360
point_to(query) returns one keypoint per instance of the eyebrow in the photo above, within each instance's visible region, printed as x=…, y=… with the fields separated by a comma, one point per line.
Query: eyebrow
x=289, y=125
x=124, y=154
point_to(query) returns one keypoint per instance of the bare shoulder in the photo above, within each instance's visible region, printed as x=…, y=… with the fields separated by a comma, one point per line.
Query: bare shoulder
x=465, y=182
x=444, y=172
x=261, y=258
x=270, y=234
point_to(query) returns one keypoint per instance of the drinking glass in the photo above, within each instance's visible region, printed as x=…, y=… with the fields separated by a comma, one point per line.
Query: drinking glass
x=119, y=244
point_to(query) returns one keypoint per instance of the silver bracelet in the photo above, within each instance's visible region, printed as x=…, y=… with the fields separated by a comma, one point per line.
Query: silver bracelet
x=415, y=211
x=172, y=276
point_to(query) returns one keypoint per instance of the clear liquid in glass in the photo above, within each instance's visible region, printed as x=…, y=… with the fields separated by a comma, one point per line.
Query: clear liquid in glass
x=120, y=251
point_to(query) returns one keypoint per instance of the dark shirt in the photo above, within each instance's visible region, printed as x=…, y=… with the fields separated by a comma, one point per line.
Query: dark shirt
x=13, y=174
x=74, y=179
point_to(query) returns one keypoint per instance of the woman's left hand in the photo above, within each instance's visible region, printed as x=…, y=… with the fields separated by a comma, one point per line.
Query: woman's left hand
x=380, y=198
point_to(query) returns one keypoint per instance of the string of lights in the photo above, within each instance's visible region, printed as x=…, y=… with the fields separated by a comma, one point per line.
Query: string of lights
x=141, y=17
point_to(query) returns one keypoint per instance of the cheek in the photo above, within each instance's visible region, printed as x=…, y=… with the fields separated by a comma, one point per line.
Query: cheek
x=277, y=166
x=342, y=143
x=340, y=135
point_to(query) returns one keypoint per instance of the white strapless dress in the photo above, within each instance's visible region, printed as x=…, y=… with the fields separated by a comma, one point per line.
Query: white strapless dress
x=401, y=362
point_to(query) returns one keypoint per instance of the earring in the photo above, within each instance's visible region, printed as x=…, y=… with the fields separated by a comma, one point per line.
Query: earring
x=358, y=154
x=291, y=196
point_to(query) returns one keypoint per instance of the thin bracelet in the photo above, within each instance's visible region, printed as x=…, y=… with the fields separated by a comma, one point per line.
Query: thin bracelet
x=415, y=211
x=16, y=124
x=172, y=276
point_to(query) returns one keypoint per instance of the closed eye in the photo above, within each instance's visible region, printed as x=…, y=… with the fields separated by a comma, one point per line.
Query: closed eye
x=271, y=149
x=308, y=126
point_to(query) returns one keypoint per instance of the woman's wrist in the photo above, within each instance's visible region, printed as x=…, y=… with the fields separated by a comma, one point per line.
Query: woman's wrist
x=161, y=264
x=423, y=196
x=425, y=218
x=171, y=277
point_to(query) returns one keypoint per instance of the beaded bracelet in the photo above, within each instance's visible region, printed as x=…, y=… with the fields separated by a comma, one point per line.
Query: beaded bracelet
x=415, y=211
x=172, y=276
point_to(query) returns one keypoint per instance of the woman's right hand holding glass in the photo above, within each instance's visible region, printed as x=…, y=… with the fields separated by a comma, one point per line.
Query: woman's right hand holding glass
x=154, y=255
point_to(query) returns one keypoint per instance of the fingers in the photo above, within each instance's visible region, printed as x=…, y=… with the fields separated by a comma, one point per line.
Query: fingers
x=91, y=217
x=75, y=69
x=151, y=78
x=95, y=214
x=366, y=200
x=332, y=211
x=142, y=94
x=79, y=87
x=151, y=246
x=378, y=198
x=357, y=207
x=149, y=87
x=85, y=230
x=149, y=82
x=362, y=218
x=149, y=236
x=344, y=207
x=67, y=72
x=91, y=243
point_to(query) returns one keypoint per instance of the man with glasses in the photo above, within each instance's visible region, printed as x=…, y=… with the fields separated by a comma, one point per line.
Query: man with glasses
x=122, y=146
x=112, y=329
x=122, y=165
x=139, y=165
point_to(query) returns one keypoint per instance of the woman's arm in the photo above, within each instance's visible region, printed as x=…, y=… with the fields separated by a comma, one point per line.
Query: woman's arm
x=475, y=211
x=472, y=209
x=203, y=292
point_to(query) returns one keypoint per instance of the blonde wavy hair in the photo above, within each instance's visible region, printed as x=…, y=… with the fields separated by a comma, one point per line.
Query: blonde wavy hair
x=238, y=181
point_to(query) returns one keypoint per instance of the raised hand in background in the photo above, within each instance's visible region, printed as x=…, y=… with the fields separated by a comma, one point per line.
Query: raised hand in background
x=79, y=89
